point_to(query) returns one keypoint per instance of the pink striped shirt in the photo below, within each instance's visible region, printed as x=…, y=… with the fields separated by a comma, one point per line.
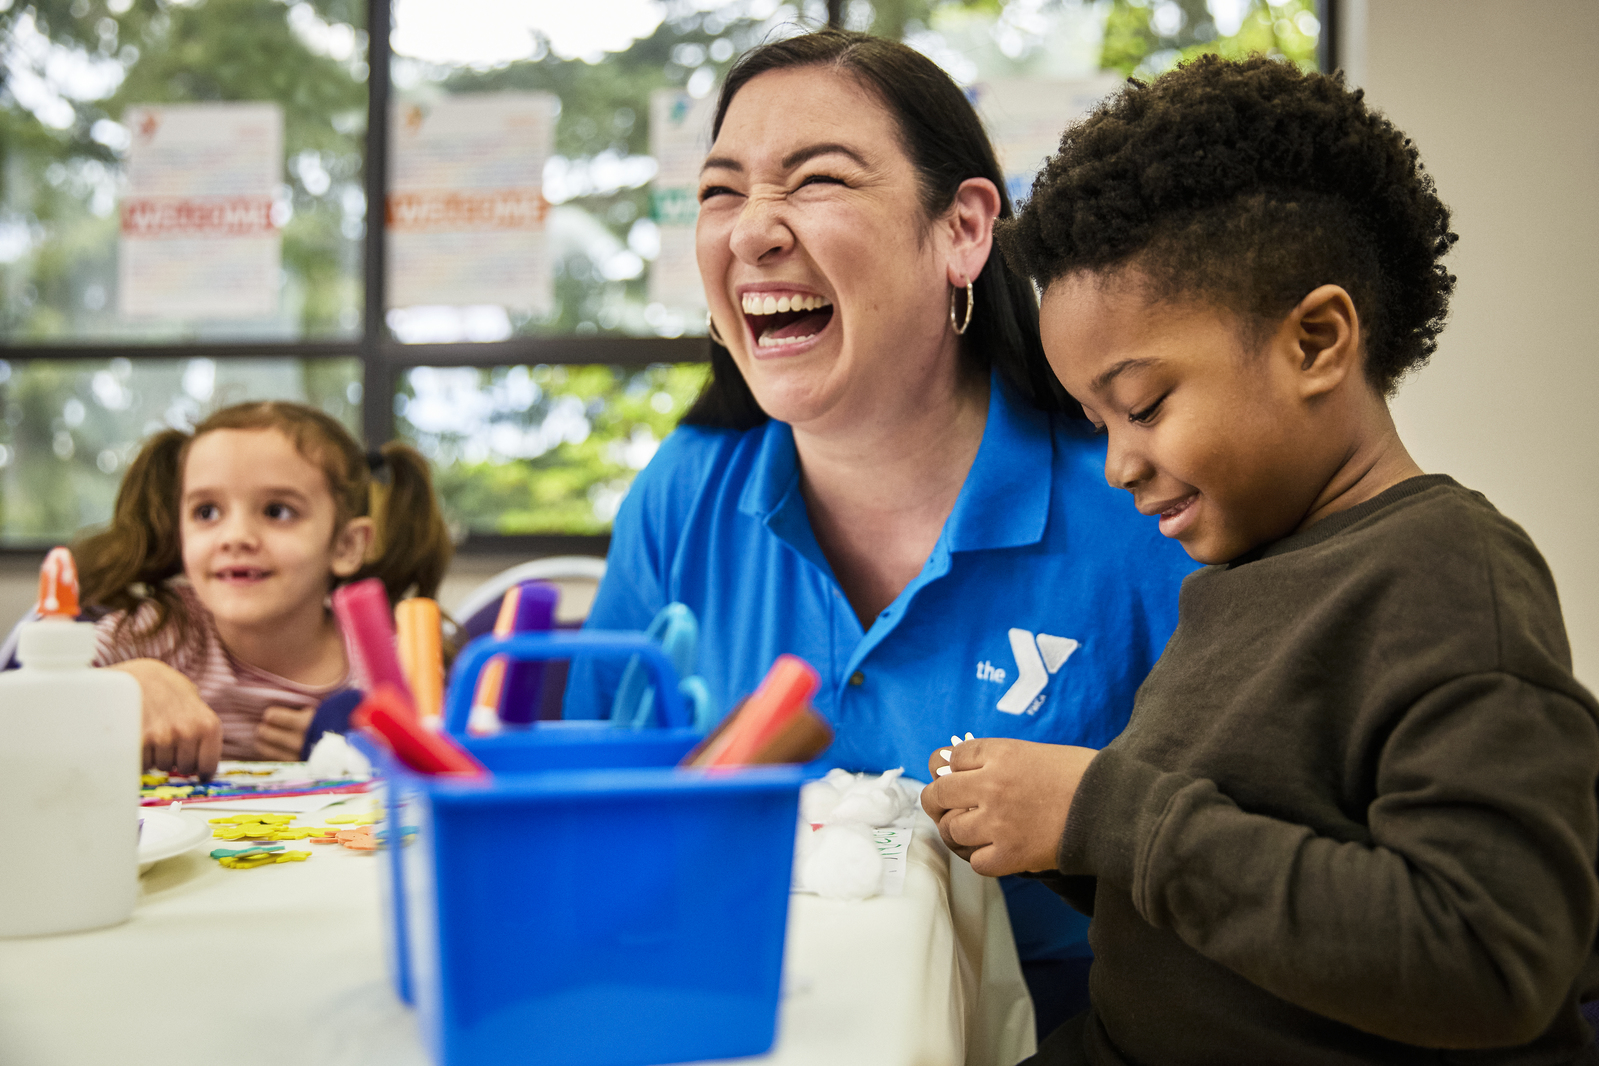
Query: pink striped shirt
x=238, y=692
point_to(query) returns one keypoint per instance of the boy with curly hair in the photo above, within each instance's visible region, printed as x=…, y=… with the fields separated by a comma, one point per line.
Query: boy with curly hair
x=1353, y=817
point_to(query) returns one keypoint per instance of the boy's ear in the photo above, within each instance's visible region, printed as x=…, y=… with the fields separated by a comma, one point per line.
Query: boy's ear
x=1322, y=336
x=350, y=546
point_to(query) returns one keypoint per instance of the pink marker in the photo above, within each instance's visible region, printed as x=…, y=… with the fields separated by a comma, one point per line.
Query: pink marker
x=362, y=609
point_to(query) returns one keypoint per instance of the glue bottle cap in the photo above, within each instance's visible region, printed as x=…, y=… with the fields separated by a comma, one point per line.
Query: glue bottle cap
x=58, y=585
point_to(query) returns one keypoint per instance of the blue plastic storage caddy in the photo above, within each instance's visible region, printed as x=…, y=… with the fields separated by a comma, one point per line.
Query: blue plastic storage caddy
x=591, y=904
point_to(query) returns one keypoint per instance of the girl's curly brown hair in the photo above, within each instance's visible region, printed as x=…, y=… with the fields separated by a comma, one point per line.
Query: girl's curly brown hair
x=1249, y=184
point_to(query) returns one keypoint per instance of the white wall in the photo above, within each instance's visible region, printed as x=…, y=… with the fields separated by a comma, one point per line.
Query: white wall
x=1502, y=99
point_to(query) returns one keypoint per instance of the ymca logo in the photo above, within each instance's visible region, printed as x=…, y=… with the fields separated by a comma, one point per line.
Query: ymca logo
x=1036, y=659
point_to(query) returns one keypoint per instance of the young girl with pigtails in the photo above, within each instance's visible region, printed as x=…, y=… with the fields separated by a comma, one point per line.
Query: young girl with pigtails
x=217, y=568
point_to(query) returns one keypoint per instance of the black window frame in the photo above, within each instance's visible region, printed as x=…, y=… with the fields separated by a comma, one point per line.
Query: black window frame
x=383, y=358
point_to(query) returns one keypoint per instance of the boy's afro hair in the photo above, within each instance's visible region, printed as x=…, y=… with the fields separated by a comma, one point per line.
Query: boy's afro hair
x=1249, y=184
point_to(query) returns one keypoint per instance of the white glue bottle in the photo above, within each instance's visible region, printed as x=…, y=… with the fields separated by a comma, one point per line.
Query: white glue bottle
x=69, y=774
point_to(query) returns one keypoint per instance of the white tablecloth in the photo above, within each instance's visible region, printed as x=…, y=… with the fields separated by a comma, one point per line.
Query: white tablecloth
x=284, y=964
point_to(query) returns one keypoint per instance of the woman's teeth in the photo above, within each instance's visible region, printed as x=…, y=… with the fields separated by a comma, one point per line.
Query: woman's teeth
x=755, y=303
x=766, y=340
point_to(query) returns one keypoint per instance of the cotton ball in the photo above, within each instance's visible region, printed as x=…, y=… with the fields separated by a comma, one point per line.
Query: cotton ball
x=804, y=844
x=334, y=759
x=872, y=801
x=843, y=863
x=818, y=798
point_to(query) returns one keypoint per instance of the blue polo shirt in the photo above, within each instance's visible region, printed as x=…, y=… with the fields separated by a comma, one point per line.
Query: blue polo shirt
x=1046, y=600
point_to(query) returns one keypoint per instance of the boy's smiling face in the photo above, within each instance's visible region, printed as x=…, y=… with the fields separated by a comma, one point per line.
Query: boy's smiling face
x=1207, y=429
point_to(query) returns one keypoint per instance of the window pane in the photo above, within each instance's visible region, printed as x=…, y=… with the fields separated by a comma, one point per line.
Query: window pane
x=71, y=427
x=583, y=224
x=540, y=449
x=140, y=202
x=611, y=249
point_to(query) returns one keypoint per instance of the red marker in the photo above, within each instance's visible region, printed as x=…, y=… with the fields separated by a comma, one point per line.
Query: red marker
x=781, y=698
x=386, y=713
x=362, y=609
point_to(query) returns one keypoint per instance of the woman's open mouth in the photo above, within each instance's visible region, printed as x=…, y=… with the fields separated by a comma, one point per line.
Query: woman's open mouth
x=778, y=321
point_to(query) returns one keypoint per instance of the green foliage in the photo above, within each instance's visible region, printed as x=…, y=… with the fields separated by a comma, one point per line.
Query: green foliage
x=1135, y=47
x=61, y=182
x=69, y=428
x=605, y=108
x=509, y=471
x=551, y=449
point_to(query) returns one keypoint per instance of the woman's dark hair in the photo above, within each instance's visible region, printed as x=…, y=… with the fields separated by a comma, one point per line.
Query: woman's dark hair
x=1249, y=184
x=944, y=139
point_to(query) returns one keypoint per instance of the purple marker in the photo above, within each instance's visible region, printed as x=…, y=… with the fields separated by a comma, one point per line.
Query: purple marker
x=532, y=611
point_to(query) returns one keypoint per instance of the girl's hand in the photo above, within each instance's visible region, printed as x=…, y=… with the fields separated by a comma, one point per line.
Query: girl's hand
x=281, y=732
x=1004, y=805
x=181, y=734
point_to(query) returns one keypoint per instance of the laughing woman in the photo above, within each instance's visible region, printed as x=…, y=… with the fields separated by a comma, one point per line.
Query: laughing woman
x=882, y=476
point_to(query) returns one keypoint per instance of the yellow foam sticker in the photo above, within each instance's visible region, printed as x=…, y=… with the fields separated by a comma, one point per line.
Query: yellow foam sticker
x=250, y=861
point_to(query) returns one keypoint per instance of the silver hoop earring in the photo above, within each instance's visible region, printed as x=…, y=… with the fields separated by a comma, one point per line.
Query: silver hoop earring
x=710, y=327
x=970, y=302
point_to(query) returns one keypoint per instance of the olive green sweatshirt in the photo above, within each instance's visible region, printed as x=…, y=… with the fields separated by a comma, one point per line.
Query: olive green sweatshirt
x=1353, y=816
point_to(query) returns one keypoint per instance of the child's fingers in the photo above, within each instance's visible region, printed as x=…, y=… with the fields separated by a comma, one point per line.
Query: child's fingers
x=970, y=754
x=958, y=790
x=288, y=718
x=275, y=742
x=210, y=751
x=990, y=861
x=186, y=753
x=158, y=753
x=949, y=842
x=281, y=732
x=966, y=827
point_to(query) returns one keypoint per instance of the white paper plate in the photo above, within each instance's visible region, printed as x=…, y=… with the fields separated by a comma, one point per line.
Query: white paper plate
x=166, y=834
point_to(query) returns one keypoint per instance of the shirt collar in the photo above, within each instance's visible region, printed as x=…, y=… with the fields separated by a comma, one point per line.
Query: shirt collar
x=1005, y=500
x=1003, y=504
x=774, y=474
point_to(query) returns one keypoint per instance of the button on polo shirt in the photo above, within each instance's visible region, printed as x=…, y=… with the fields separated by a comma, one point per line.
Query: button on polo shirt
x=1043, y=604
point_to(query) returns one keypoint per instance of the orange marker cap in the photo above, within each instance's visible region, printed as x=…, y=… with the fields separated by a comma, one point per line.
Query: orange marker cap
x=417, y=622
x=58, y=585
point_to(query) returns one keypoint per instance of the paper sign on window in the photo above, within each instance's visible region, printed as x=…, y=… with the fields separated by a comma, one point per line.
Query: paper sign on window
x=1026, y=116
x=199, y=239
x=680, y=136
x=466, y=211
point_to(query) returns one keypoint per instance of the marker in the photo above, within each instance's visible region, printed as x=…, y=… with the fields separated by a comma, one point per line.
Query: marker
x=484, y=719
x=362, y=609
x=533, y=611
x=416, y=621
x=776, y=717
x=508, y=692
x=388, y=714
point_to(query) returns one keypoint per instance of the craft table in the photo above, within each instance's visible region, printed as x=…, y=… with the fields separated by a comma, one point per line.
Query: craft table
x=285, y=964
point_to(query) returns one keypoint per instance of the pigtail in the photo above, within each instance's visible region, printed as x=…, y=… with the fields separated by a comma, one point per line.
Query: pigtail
x=410, y=553
x=128, y=564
